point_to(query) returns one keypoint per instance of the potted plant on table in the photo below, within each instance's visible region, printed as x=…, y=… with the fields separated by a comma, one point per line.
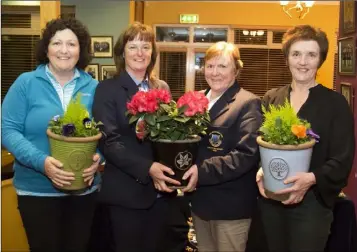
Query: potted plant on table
x=73, y=140
x=173, y=127
x=285, y=144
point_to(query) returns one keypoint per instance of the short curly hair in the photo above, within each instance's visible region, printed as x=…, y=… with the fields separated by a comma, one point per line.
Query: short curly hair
x=306, y=32
x=59, y=24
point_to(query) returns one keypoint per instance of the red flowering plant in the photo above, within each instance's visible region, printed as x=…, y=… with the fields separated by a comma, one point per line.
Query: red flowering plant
x=157, y=116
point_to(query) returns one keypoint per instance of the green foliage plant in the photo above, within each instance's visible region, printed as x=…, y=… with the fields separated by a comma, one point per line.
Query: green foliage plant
x=282, y=126
x=75, y=122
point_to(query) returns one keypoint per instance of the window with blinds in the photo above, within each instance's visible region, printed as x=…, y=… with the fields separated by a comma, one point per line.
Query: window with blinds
x=200, y=80
x=250, y=37
x=16, y=20
x=182, y=64
x=20, y=29
x=263, y=70
x=17, y=56
x=173, y=71
x=264, y=65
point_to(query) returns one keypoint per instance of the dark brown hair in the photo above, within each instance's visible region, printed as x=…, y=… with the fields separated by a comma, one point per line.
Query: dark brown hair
x=59, y=24
x=142, y=32
x=306, y=32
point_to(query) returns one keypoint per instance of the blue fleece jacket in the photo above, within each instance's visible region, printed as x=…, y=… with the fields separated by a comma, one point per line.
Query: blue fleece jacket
x=26, y=110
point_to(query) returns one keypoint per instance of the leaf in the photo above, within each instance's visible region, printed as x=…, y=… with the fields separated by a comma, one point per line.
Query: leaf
x=163, y=118
x=133, y=119
x=182, y=109
x=150, y=119
x=165, y=107
x=182, y=119
x=207, y=117
x=154, y=132
x=175, y=135
x=278, y=122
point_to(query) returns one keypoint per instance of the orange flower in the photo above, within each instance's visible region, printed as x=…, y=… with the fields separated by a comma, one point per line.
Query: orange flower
x=299, y=130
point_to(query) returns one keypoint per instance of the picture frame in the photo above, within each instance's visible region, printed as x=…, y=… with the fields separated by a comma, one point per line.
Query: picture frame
x=347, y=91
x=348, y=17
x=347, y=56
x=108, y=71
x=93, y=70
x=102, y=46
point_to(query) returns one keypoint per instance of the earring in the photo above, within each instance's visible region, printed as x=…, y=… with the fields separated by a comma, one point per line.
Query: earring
x=123, y=55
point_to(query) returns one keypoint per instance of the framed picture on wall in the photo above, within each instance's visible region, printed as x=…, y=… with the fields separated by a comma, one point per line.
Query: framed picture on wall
x=347, y=92
x=108, y=71
x=348, y=17
x=102, y=46
x=347, y=56
x=93, y=70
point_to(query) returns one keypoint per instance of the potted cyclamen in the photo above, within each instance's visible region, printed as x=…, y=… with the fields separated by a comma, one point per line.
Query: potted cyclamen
x=285, y=146
x=73, y=141
x=174, y=128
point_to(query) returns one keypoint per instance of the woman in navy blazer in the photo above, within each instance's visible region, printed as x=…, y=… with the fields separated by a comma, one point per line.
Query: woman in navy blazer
x=136, y=210
x=226, y=192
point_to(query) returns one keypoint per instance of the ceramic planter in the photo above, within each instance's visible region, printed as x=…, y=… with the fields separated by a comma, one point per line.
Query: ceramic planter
x=179, y=155
x=282, y=161
x=76, y=154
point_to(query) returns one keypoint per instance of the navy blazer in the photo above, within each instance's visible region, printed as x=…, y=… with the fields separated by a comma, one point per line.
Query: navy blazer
x=229, y=158
x=126, y=181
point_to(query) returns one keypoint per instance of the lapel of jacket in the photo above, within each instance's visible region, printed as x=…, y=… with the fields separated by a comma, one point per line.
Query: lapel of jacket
x=128, y=84
x=222, y=105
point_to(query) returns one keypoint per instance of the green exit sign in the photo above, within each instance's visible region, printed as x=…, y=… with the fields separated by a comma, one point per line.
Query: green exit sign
x=189, y=18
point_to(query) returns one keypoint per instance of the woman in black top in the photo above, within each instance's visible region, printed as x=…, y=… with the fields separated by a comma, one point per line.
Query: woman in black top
x=302, y=222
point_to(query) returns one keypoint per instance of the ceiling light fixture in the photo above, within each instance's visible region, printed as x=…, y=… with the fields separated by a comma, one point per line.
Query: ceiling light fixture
x=301, y=7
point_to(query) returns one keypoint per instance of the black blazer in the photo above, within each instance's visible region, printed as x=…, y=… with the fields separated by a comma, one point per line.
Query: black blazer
x=229, y=158
x=126, y=179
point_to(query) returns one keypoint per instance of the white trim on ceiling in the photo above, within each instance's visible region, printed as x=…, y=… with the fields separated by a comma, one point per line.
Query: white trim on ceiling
x=271, y=2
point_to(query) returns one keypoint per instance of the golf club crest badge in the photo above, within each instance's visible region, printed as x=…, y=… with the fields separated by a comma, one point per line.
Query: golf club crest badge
x=183, y=160
x=215, y=139
x=279, y=168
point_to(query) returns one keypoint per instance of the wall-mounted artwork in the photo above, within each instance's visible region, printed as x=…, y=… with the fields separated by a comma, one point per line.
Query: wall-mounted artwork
x=93, y=70
x=108, y=71
x=347, y=92
x=102, y=46
x=348, y=17
x=347, y=56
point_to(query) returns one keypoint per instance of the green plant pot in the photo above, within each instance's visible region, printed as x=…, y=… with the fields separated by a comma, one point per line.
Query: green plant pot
x=76, y=154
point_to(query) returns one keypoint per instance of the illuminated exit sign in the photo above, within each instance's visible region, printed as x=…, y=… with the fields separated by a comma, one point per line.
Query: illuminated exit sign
x=189, y=18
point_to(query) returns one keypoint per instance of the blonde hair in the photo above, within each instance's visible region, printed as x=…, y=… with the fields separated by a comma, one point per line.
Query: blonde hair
x=225, y=49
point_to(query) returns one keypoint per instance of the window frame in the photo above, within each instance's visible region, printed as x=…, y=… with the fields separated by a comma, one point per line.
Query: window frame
x=192, y=47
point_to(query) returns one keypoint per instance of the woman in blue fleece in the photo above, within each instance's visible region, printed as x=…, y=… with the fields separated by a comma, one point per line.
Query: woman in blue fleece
x=54, y=221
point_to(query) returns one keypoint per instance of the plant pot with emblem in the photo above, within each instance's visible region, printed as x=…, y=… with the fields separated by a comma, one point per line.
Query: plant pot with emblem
x=173, y=128
x=179, y=155
x=286, y=145
x=73, y=140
